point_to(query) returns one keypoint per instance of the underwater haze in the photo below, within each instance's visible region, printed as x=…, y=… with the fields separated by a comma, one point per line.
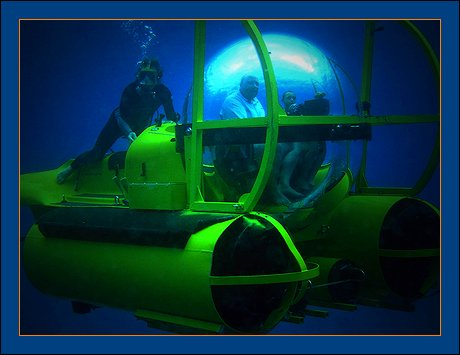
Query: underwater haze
x=72, y=74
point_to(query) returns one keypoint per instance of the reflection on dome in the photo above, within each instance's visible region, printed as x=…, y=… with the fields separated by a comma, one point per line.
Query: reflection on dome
x=297, y=64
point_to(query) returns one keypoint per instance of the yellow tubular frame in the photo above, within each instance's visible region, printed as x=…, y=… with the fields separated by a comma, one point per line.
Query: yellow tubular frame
x=271, y=122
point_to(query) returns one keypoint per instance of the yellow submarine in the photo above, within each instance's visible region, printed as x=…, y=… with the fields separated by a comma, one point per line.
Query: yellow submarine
x=158, y=232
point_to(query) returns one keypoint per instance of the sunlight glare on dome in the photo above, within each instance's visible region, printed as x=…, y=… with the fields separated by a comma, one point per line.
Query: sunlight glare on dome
x=296, y=63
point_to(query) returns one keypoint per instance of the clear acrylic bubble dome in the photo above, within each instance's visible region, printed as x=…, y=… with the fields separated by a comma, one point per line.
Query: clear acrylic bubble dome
x=299, y=66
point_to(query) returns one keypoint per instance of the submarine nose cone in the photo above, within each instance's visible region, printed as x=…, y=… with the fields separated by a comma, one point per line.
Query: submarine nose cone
x=253, y=248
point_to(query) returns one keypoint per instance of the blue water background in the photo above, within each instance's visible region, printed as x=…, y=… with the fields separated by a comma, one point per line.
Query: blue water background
x=73, y=76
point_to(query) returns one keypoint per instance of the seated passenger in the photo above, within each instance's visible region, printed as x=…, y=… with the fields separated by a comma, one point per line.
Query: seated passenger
x=299, y=162
x=295, y=164
x=138, y=103
x=237, y=164
x=243, y=103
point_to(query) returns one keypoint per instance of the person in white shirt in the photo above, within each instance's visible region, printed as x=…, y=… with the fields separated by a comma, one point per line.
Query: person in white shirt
x=243, y=103
x=238, y=164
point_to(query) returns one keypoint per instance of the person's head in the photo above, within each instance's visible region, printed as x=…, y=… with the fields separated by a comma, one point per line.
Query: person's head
x=148, y=74
x=249, y=86
x=288, y=99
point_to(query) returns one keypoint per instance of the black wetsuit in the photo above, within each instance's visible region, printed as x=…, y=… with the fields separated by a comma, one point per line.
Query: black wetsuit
x=134, y=114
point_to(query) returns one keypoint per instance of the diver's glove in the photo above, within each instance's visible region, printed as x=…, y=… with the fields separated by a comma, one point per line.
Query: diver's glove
x=159, y=119
x=131, y=137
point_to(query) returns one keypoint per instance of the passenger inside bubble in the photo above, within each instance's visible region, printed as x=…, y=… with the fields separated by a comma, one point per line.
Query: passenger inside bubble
x=295, y=165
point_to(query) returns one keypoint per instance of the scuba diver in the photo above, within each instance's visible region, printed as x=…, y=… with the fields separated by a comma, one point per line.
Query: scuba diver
x=139, y=101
